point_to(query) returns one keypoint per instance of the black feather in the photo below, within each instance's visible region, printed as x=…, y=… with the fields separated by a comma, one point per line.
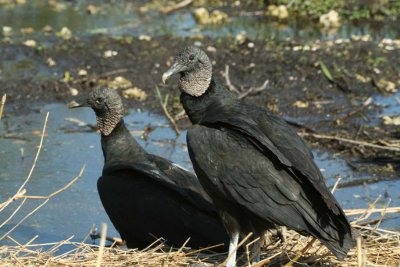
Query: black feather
x=257, y=169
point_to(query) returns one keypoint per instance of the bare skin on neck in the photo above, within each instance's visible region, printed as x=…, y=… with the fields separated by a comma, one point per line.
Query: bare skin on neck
x=107, y=123
x=196, y=83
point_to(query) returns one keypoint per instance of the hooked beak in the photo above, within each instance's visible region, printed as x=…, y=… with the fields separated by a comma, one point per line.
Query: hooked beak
x=174, y=69
x=75, y=104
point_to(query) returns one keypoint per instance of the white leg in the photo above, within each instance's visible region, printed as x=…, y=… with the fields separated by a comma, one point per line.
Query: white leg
x=232, y=250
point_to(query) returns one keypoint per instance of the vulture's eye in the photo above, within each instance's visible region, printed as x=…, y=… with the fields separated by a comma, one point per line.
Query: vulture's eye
x=191, y=57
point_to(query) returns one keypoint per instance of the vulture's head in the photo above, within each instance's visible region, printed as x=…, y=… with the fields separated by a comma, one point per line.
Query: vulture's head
x=194, y=68
x=107, y=105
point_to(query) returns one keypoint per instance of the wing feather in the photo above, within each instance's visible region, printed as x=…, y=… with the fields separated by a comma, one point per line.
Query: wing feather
x=255, y=185
x=274, y=138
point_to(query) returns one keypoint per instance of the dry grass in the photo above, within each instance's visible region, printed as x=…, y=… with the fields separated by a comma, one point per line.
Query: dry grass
x=375, y=246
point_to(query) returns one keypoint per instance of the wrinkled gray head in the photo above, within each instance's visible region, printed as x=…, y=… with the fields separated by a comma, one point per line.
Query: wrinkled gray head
x=195, y=70
x=107, y=105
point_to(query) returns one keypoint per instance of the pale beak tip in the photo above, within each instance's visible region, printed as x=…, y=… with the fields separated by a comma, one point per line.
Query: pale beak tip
x=73, y=104
x=165, y=77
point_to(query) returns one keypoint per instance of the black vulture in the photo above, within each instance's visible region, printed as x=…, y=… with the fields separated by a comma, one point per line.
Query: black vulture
x=147, y=196
x=255, y=167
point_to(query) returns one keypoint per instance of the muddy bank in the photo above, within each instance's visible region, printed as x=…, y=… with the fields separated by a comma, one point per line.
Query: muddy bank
x=323, y=86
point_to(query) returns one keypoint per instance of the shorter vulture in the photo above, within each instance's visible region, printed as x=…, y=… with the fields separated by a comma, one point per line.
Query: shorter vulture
x=146, y=196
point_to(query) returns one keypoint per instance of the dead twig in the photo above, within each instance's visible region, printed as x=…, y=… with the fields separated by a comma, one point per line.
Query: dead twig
x=113, y=72
x=366, y=104
x=37, y=154
x=21, y=190
x=46, y=198
x=383, y=214
x=367, y=212
x=177, y=6
x=360, y=262
x=165, y=110
x=336, y=185
x=254, y=90
x=231, y=87
x=362, y=211
x=349, y=141
x=23, y=219
x=181, y=115
x=116, y=240
x=56, y=192
x=301, y=253
x=2, y=103
x=13, y=214
x=358, y=182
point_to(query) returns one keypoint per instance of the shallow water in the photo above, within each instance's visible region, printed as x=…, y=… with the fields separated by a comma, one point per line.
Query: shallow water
x=68, y=146
x=125, y=17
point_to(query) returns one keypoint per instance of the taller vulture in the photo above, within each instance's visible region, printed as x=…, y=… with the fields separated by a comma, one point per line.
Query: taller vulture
x=255, y=167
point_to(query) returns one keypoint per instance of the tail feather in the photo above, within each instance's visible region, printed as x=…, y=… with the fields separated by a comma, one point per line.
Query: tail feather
x=338, y=240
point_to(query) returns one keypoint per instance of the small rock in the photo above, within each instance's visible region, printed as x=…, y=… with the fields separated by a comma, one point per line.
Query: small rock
x=387, y=120
x=218, y=17
x=110, y=53
x=27, y=30
x=198, y=44
x=51, y=62
x=144, y=9
x=377, y=71
x=7, y=30
x=389, y=167
x=362, y=78
x=67, y=77
x=144, y=37
x=135, y=93
x=388, y=86
x=330, y=20
x=119, y=82
x=47, y=28
x=366, y=38
x=82, y=72
x=281, y=12
x=65, y=33
x=301, y=104
x=297, y=48
x=250, y=45
x=241, y=37
x=202, y=16
x=211, y=49
x=73, y=91
x=57, y=6
x=30, y=43
x=92, y=9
